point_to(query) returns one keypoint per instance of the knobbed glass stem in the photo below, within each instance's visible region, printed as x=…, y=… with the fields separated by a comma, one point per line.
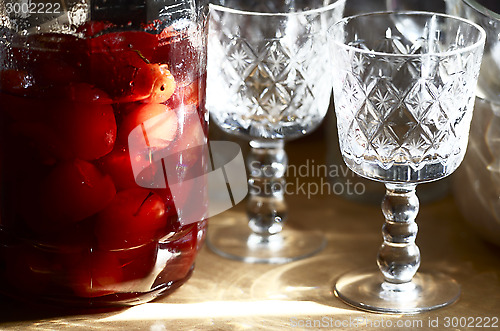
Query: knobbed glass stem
x=398, y=288
x=262, y=236
x=399, y=256
x=394, y=126
x=266, y=207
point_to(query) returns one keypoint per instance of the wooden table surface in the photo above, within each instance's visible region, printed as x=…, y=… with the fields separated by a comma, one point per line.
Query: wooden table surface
x=230, y=295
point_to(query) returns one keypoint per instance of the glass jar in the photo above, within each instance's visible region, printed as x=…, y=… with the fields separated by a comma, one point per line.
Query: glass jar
x=98, y=99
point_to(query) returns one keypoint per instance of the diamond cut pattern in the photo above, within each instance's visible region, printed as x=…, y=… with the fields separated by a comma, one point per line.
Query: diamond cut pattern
x=405, y=110
x=276, y=86
x=241, y=57
x=278, y=63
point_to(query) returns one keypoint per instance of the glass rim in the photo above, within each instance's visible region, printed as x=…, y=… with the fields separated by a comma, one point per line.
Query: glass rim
x=482, y=9
x=276, y=14
x=481, y=40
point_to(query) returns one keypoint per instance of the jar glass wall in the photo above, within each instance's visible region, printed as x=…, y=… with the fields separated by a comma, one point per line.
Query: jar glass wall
x=97, y=99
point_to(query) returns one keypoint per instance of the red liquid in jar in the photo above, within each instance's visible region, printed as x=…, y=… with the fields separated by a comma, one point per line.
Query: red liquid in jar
x=75, y=225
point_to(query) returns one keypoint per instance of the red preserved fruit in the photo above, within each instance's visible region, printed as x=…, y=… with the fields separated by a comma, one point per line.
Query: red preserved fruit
x=132, y=219
x=86, y=93
x=53, y=59
x=134, y=83
x=150, y=83
x=89, y=129
x=73, y=191
x=149, y=129
x=18, y=96
x=164, y=84
x=65, y=129
x=126, y=42
x=117, y=165
x=53, y=71
x=94, y=274
x=151, y=175
x=120, y=64
x=172, y=217
x=92, y=124
x=176, y=200
x=157, y=122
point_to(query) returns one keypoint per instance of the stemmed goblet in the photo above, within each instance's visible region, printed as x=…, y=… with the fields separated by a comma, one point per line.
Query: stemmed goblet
x=404, y=88
x=267, y=82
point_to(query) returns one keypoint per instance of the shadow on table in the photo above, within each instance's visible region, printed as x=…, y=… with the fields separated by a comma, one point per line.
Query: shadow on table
x=12, y=310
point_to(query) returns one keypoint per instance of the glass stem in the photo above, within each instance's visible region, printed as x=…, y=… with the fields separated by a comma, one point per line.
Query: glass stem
x=399, y=256
x=266, y=208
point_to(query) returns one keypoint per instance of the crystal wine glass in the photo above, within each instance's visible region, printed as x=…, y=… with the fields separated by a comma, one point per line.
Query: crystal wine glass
x=404, y=88
x=267, y=83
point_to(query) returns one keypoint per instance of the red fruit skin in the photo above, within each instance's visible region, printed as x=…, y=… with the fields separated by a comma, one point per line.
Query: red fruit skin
x=80, y=124
x=55, y=72
x=119, y=64
x=84, y=93
x=88, y=129
x=164, y=84
x=18, y=96
x=155, y=127
x=160, y=131
x=73, y=191
x=132, y=219
x=54, y=59
x=139, y=42
x=148, y=130
x=94, y=273
x=117, y=165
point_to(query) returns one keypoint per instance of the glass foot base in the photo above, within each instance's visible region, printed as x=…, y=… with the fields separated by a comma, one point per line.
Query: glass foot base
x=368, y=291
x=238, y=242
